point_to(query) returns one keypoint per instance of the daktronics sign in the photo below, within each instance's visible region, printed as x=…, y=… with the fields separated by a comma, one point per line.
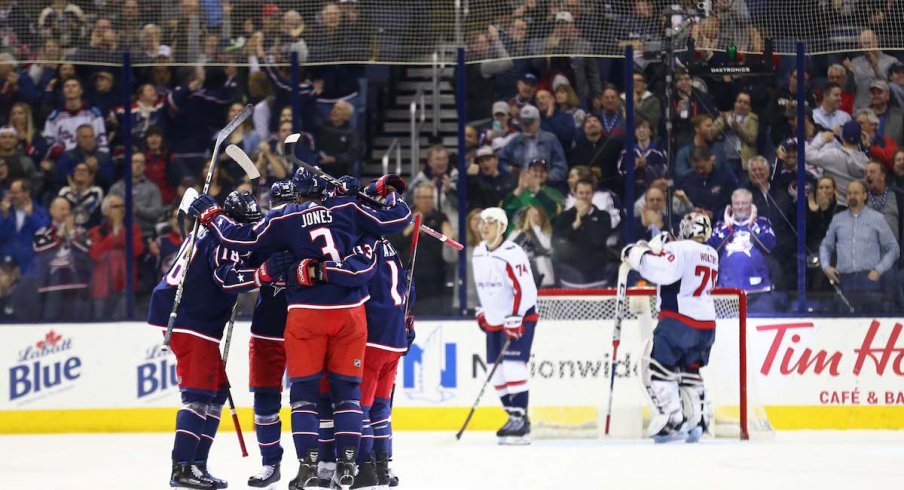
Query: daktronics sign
x=829, y=361
x=48, y=365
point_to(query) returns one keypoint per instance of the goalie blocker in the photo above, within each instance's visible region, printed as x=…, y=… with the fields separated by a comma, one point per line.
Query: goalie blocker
x=686, y=272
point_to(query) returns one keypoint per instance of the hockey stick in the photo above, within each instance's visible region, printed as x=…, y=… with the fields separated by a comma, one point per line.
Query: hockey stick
x=221, y=136
x=290, y=142
x=235, y=416
x=621, y=307
x=247, y=165
x=508, y=341
x=412, y=254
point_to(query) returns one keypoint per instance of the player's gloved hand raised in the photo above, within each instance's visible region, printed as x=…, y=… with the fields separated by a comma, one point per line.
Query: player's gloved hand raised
x=348, y=186
x=274, y=269
x=204, y=208
x=513, y=327
x=409, y=331
x=305, y=273
x=386, y=184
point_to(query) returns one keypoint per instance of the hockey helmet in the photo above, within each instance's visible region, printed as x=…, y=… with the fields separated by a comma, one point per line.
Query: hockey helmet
x=695, y=226
x=282, y=192
x=242, y=207
x=497, y=215
x=307, y=183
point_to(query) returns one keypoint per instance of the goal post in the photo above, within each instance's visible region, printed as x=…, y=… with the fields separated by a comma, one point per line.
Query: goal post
x=570, y=365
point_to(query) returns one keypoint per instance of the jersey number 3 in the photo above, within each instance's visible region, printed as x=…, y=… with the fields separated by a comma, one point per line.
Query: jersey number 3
x=709, y=278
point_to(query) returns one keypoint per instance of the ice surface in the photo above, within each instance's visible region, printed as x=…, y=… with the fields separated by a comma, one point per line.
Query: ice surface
x=434, y=460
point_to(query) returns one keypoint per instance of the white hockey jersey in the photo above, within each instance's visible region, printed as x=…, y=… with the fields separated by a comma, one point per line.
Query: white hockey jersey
x=686, y=273
x=505, y=282
x=61, y=126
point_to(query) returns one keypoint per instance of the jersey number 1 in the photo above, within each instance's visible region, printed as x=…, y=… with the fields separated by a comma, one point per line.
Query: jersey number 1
x=709, y=277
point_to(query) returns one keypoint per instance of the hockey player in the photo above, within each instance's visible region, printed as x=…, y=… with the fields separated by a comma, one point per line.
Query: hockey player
x=507, y=313
x=267, y=360
x=326, y=327
x=685, y=272
x=213, y=280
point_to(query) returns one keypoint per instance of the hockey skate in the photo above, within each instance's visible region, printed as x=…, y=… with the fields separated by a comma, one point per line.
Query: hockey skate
x=382, y=467
x=307, y=473
x=670, y=432
x=325, y=472
x=188, y=476
x=506, y=427
x=218, y=482
x=367, y=476
x=393, y=479
x=267, y=477
x=517, y=434
x=346, y=470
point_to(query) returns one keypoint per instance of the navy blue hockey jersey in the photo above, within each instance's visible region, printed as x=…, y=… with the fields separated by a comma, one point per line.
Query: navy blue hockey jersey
x=385, y=310
x=325, y=231
x=215, y=277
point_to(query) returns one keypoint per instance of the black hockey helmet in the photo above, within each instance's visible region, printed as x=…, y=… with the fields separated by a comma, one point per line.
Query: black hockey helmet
x=282, y=192
x=242, y=207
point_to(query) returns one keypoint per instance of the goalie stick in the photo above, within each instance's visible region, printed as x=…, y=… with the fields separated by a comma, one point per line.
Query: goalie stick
x=221, y=137
x=508, y=341
x=290, y=142
x=621, y=308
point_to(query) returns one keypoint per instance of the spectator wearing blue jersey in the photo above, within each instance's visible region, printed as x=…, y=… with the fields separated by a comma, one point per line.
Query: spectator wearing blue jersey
x=20, y=218
x=86, y=151
x=708, y=186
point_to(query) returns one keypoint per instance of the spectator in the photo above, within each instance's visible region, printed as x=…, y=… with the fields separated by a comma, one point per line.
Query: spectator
x=166, y=244
x=739, y=128
x=566, y=40
x=533, y=143
x=822, y=206
x=487, y=185
x=604, y=200
x=891, y=118
x=774, y=203
x=533, y=190
x=704, y=137
x=896, y=82
x=534, y=234
x=159, y=169
x=707, y=186
x=869, y=67
x=472, y=239
x=64, y=21
x=444, y=179
x=488, y=50
x=147, y=205
x=784, y=172
x=129, y=24
x=687, y=103
x=108, y=247
x=18, y=164
x=681, y=205
x=9, y=85
x=12, y=301
x=837, y=74
x=846, y=162
x=744, y=240
x=64, y=265
x=828, y=114
x=598, y=151
x=650, y=163
x=611, y=113
x=865, y=247
x=653, y=216
x=62, y=125
x=567, y=100
x=100, y=92
x=260, y=93
x=86, y=150
x=147, y=110
x=84, y=197
x=21, y=218
x=641, y=28
x=579, y=242
x=899, y=169
x=554, y=120
x=877, y=146
x=271, y=159
x=646, y=105
x=882, y=198
x=244, y=137
x=432, y=294
x=339, y=147
x=784, y=102
x=501, y=127
x=31, y=143
x=524, y=95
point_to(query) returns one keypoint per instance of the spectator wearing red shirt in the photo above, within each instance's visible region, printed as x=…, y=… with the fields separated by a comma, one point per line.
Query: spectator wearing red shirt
x=877, y=146
x=108, y=249
x=159, y=169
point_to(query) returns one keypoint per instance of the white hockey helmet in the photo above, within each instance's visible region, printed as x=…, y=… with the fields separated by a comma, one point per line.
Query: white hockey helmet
x=695, y=226
x=497, y=215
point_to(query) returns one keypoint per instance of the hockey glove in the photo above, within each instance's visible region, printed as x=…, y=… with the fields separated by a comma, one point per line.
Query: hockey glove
x=484, y=324
x=274, y=268
x=205, y=209
x=348, y=186
x=409, y=331
x=388, y=183
x=642, y=245
x=513, y=327
x=306, y=273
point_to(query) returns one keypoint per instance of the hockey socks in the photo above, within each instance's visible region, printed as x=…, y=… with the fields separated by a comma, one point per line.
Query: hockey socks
x=518, y=403
x=347, y=417
x=367, y=437
x=326, y=439
x=305, y=420
x=190, y=423
x=210, y=431
x=268, y=426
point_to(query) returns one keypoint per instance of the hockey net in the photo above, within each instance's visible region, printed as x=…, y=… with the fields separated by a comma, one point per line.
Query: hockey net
x=570, y=366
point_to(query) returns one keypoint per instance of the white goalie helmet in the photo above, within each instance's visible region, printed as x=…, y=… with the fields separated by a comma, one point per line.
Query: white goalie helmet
x=695, y=226
x=497, y=215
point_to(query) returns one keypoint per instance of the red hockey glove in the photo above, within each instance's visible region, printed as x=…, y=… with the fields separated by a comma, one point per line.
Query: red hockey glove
x=388, y=183
x=513, y=327
x=484, y=324
x=306, y=273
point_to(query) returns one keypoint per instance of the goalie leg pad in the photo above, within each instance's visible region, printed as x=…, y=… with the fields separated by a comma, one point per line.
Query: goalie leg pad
x=696, y=405
x=662, y=387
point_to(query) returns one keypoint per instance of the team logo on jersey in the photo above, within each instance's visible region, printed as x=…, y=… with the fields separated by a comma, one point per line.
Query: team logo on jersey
x=357, y=363
x=45, y=367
